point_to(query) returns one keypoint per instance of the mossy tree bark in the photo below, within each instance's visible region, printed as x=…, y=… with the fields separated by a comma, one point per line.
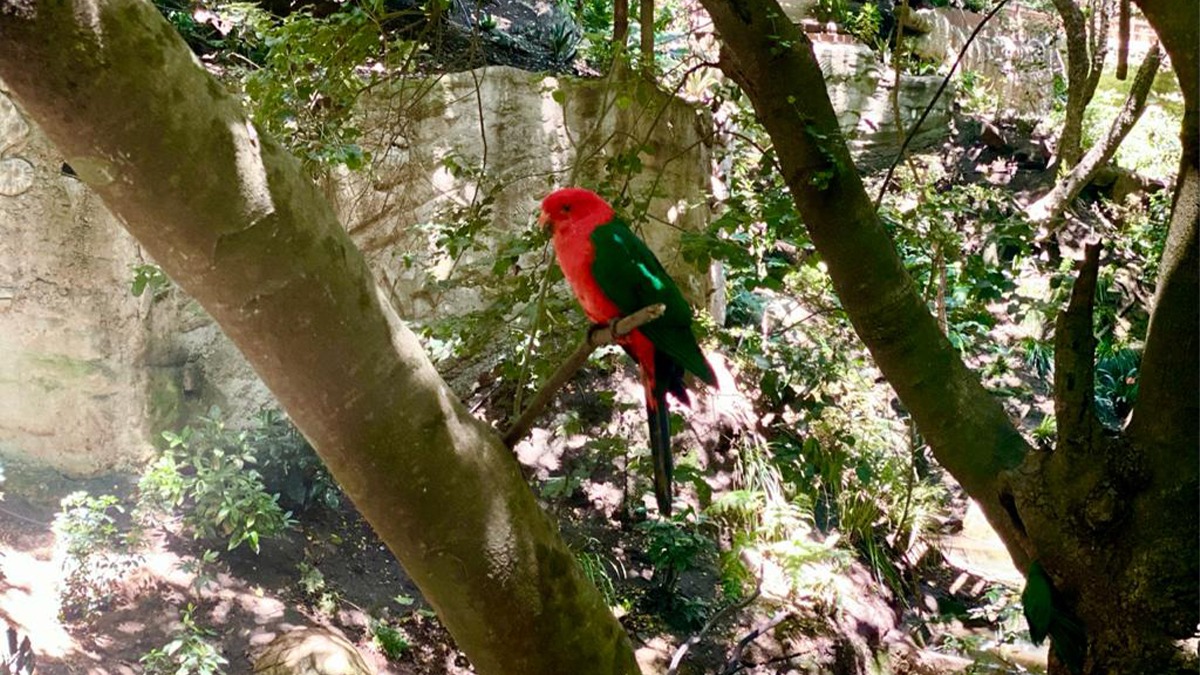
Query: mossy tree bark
x=1110, y=516
x=232, y=219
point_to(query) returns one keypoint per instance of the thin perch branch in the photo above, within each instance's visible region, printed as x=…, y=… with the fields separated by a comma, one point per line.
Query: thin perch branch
x=597, y=336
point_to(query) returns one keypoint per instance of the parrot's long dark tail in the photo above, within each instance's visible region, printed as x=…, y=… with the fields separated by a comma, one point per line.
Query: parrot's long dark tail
x=659, y=417
x=668, y=379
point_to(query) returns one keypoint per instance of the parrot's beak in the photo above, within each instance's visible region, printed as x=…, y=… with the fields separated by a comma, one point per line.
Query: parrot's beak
x=544, y=220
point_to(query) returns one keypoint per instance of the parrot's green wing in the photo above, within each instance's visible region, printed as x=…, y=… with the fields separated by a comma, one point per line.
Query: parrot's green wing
x=1067, y=635
x=627, y=272
x=1037, y=603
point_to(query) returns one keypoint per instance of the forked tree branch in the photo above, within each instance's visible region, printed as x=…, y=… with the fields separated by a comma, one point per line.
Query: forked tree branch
x=597, y=336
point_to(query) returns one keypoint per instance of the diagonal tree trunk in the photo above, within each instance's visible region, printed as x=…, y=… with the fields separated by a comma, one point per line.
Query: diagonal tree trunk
x=232, y=219
x=1110, y=517
x=1050, y=207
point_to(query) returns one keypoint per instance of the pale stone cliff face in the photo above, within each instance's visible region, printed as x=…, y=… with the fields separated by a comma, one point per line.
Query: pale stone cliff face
x=71, y=336
x=537, y=133
x=89, y=373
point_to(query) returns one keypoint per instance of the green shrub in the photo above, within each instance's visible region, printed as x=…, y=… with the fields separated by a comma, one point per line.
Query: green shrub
x=207, y=472
x=290, y=466
x=97, y=554
x=393, y=642
x=189, y=653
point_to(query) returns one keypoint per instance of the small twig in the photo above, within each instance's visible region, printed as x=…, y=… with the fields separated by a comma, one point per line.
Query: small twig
x=597, y=336
x=734, y=663
x=767, y=662
x=937, y=95
x=716, y=618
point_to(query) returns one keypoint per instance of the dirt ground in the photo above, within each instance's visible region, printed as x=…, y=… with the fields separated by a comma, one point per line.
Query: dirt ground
x=251, y=599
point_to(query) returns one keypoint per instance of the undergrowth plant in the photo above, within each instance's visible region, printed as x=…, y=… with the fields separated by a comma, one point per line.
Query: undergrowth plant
x=97, y=553
x=290, y=466
x=389, y=639
x=190, y=652
x=208, y=474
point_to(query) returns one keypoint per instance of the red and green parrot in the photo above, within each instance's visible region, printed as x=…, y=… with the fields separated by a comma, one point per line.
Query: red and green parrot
x=613, y=274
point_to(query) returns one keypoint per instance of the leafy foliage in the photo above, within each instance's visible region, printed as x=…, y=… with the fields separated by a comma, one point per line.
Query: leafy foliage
x=189, y=653
x=392, y=641
x=97, y=553
x=677, y=545
x=290, y=466
x=310, y=79
x=208, y=473
x=149, y=277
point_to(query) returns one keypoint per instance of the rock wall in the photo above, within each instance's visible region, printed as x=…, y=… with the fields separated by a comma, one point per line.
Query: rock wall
x=536, y=133
x=89, y=373
x=860, y=88
x=72, y=375
x=1013, y=60
x=1016, y=55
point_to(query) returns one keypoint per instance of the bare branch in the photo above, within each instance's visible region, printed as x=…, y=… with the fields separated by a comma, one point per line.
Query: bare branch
x=734, y=663
x=716, y=618
x=597, y=336
x=1074, y=358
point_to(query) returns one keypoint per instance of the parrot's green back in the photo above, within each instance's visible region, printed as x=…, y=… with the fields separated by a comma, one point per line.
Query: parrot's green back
x=628, y=273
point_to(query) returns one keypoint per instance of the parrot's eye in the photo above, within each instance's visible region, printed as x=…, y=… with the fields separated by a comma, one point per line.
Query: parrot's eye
x=566, y=208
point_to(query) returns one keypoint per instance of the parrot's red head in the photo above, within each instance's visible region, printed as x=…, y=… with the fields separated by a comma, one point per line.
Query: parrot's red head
x=574, y=208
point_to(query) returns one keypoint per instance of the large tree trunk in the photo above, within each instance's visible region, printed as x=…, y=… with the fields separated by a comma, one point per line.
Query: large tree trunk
x=1111, y=518
x=965, y=426
x=1050, y=207
x=231, y=218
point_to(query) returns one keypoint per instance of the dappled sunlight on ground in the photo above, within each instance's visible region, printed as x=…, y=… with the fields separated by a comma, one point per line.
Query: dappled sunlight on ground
x=245, y=600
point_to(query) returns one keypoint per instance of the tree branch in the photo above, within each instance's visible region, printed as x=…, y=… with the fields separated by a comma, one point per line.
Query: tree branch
x=1049, y=209
x=734, y=663
x=1074, y=358
x=716, y=618
x=234, y=220
x=967, y=429
x=1078, y=73
x=597, y=336
x=1123, y=41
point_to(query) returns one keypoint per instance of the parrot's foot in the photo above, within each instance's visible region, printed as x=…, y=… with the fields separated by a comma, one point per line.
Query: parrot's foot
x=610, y=326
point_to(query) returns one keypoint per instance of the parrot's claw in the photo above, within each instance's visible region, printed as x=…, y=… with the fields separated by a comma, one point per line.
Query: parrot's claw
x=610, y=326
